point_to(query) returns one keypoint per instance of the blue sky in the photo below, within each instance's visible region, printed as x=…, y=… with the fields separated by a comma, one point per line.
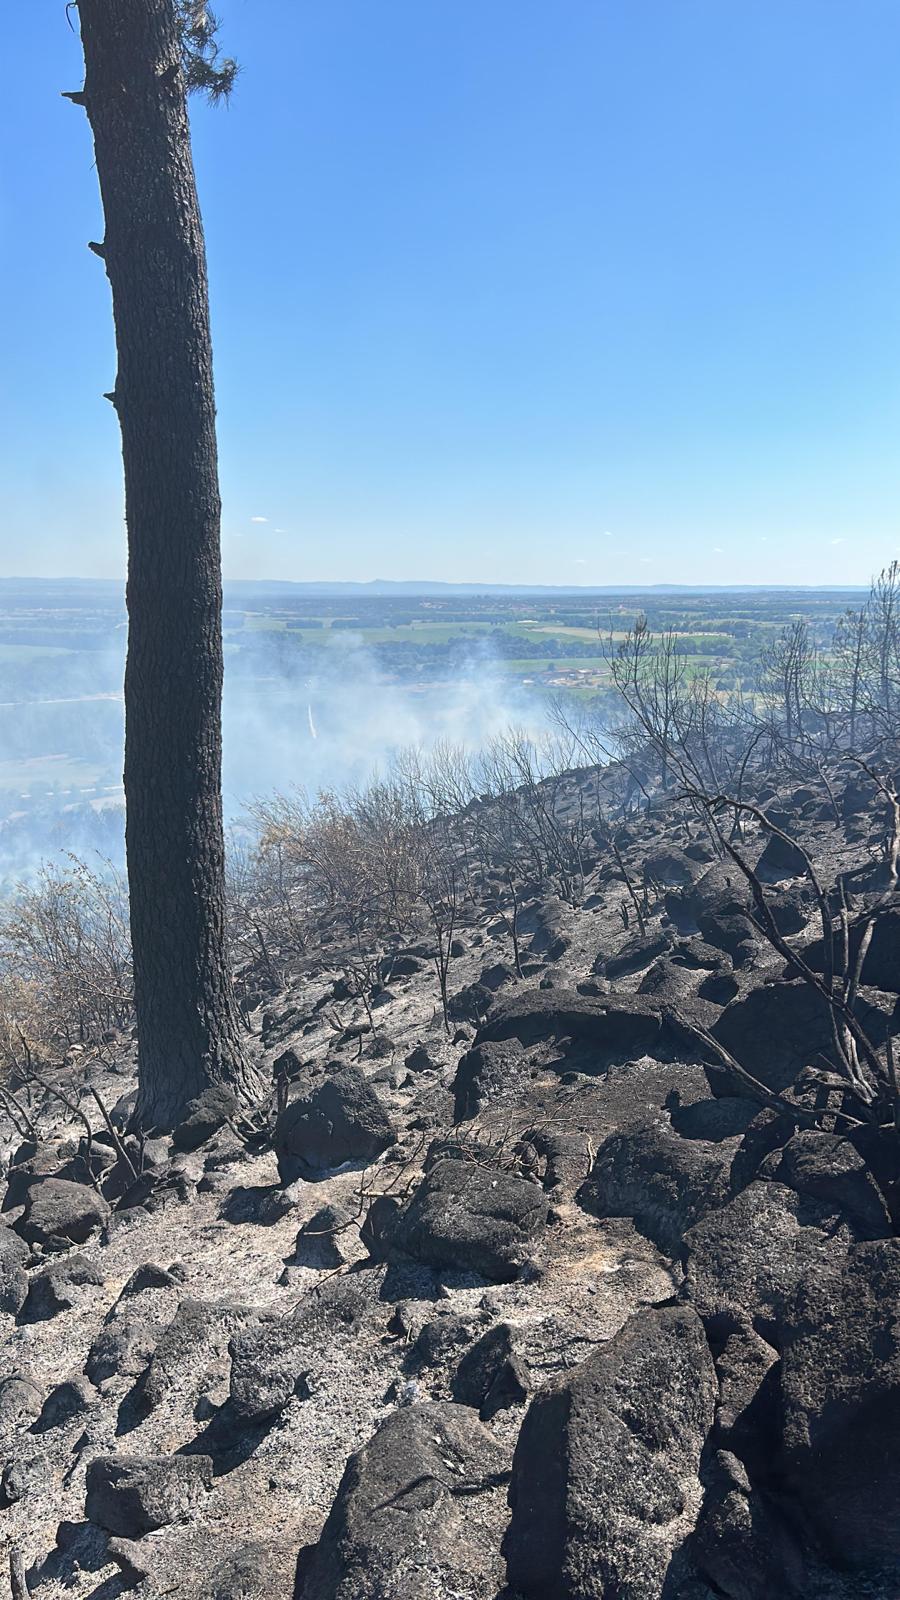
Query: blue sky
x=560, y=291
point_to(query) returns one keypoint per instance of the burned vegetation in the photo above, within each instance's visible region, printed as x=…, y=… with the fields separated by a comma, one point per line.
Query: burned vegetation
x=558, y=1256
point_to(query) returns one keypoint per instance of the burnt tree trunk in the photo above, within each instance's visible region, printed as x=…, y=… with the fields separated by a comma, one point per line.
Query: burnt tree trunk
x=134, y=96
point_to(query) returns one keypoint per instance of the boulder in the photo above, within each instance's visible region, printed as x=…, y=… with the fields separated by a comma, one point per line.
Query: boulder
x=59, y=1214
x=204, y=1116
x=494, y=1073
x=20, y=1402
x=134, y=1495
x=767, y=1131
x=56, y=1288
x=599, y=1031
x=472, y=1218
x=72, y=1400
x=121, y=1349
x=29, y=1164
x=443, y=1337
x=881, y=965
x=635, y=955
x=330, y=1123
x=378, y=1226
x=664, y=1182
x=471, y=1003
x=744, y=1261
x=735, y=932
x=780, y=859
x=491, y=1375
x=151, y=1276
x=548, y=922
x=14, y=1253
x=262, y=1567
x=670, y=868
x=322, y=1241
x=747, y=1410
x=840, y=1400
x=776, y=1029
x=272, y=1361
x=198, y=1332
x=605, y=1484
x=418, y=1513
x=828, y=1167
x=742, y=1542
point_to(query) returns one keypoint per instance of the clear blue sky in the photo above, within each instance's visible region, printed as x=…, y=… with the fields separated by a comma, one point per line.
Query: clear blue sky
x=564, y=291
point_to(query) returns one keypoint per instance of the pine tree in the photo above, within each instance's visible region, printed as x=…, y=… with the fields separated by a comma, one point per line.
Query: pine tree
x=142, y=57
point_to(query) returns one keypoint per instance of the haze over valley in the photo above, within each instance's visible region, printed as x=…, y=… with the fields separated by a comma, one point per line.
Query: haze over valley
x=324, y=682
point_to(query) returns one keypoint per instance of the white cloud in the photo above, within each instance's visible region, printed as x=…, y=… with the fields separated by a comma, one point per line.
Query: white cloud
x=646, y=560
x=607, y=535
x=717, y=550
x=281, y=530
x=837, y=541
x=580, y=561
x=259, y=519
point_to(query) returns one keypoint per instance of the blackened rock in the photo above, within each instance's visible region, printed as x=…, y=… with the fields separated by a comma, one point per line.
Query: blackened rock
x=442, y=1337
x=472, y=1218
x=203, y=1117
x=600, y=1031
x=777, y=1029
x=828, y=1168
x=548, y=921
x=13, y=1278
x=133, y=1495
x=670, y=868
x=379, y=1224
x=725, y=1118
x=840, y=1396
x=74, y=1398
x=742, y=1543
x=273, y=1361
x=338, y=1120
x=634, y=956
x=491, y=1376
x=881, y=964
x=121, y=1349
x=418, y=1512
x=197, y=1331
x=261, y=1567
x=150, y=1276
x=781, y=859
x=769, y=1130
x=322, y=1240
x=490, y=1074
x=30, y=1164
x=718, y=988
x=495, y=976
x=59, y=1214
x=732, y=931
x=421, y=1060
x=743, y=1262
x=470, y=1003
x=664, y=1182
x=605, y=1481
x=55, y=1288
x=748, y=1415
x=22, y=1476
x=20, y=1402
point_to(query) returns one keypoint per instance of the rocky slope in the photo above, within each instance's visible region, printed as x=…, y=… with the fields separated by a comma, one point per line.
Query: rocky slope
x=551, y=1307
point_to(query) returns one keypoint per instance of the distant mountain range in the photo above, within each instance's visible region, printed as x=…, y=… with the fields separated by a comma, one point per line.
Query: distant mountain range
x=237, y=588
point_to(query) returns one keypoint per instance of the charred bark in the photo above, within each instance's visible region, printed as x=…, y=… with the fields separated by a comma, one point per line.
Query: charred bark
x=154, y=254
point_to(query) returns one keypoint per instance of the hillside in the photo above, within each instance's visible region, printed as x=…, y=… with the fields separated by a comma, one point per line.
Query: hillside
x=556, y=1303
